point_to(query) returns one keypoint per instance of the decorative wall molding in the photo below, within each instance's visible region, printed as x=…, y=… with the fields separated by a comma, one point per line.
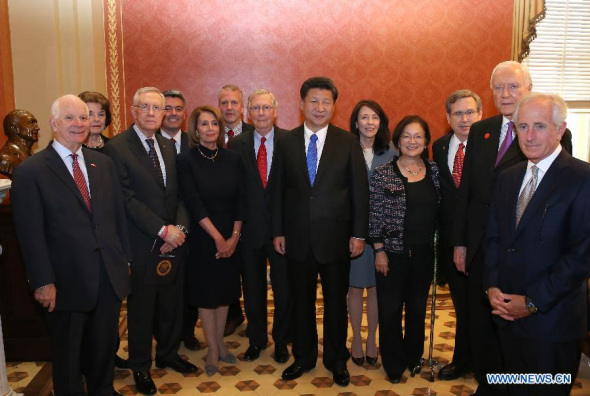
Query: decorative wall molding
x=115, y=71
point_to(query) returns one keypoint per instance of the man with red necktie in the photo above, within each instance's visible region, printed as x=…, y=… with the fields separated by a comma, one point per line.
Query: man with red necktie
x=257, y=148
x=231, y=106
x=70, y=221
x=463, y=108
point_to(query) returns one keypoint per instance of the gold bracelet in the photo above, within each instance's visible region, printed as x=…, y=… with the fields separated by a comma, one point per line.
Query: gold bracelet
x=236, y=232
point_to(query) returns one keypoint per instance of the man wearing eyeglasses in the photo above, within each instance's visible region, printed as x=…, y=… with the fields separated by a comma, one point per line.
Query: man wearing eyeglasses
x=231, y=106
x=256, y=149
x=492, y=146
x=146, y=163
x=463, y=108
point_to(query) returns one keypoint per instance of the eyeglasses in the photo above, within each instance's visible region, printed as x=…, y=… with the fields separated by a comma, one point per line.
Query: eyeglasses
x=459, y=114
x=145, y=108
x=178, y=109
x=265, y=108
x=410, y=137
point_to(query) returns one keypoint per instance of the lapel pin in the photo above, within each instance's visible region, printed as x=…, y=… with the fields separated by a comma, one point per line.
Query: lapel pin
x=486, y=136
x=92, y=164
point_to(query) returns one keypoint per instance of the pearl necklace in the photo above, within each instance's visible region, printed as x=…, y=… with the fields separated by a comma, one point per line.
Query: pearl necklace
x=209, y=158
x=99, y=145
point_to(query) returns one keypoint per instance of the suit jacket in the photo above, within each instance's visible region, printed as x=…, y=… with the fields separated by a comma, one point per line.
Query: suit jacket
x=547, y=256
x=183, y=140
x=322, y=217
x=479, y=178
x=62, y=242
x=149, y=206
x=256, y=229
x=448, y=190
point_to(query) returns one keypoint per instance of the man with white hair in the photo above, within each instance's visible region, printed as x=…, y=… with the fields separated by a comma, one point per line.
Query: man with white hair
x=537, y=251
x=492, y=146
x=70, y=222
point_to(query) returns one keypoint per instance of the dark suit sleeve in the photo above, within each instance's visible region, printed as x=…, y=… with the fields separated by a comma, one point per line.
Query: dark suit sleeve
x=491, y=242
x=120, y=216
x=360, y=192
x=573, y=267
x=142, y=216
x=29, y=219
x=276, y=198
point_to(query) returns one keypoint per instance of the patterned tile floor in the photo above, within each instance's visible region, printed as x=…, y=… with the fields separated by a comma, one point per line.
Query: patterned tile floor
x=263, y=377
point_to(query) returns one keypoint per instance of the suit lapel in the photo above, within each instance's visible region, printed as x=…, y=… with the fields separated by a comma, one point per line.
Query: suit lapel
x=299, y=138
x=445, y=171
x=248, y=147
x=138, y=149
x=328, y=152
x=546, y=188
x=93, y=174
x=169, y=157
x=57, y=166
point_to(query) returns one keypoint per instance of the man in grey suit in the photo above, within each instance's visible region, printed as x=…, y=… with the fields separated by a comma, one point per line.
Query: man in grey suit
x=146, y=163
x=320, y=215
x=256, y=149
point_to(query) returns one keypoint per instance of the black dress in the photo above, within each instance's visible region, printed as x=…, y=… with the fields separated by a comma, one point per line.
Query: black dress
x=101, y=148
x=211, y=188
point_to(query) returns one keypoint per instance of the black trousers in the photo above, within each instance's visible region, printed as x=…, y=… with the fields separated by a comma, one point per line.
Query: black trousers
x=153, y=310
x=406, y=285
x=483, y=336
x=458, y=286
x=334, y=279
x=255, y=295
x=524, y=355
x=84, y=344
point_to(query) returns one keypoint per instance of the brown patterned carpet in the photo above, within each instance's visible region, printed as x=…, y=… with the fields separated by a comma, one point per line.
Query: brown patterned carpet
x=263, y=377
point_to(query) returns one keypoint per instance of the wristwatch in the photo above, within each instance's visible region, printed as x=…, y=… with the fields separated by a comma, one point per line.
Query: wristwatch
x=530, y=306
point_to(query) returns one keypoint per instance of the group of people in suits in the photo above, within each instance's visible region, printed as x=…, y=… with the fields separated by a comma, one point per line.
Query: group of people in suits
x=174, y=221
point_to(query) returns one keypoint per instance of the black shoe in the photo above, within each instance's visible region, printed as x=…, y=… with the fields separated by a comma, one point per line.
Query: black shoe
x=341, y=377
x=371, y=360
x=252, y=353
x=450, y=372
x=182, y=366
x=295, y=371
x=415, y=368
x=232, y=324
x=191, y=343
x=121, y=363
x=394, y=379
x=144, y=383
x=281, y=353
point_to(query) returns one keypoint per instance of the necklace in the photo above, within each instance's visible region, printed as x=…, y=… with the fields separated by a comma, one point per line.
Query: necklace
x=409, y=171
x=209, y=158
x=99, y=145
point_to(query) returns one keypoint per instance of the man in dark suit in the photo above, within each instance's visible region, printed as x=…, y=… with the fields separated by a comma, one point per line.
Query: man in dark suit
x=231, y=106
x=70, y=221
x=463, y=108
x=320, y=218
x=488, y=154
x=146, y=163
x=174, y=117
x=256, y=149
x=537, y=256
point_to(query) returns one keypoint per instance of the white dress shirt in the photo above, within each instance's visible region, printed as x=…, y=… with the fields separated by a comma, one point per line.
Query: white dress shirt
x=143, y=138
x=321, y=134
x=453, y=146
x=66, y=156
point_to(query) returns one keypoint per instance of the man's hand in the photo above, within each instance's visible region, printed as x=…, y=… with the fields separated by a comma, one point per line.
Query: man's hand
x=356, y=246
x=166, y=248
x=279, y=244
x=381, y=263
x=174, y=236
x=46, y=296
x=507, y=306
x=459, y=255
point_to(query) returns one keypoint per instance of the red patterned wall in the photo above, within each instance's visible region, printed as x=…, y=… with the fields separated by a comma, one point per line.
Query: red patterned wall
x=407, y=55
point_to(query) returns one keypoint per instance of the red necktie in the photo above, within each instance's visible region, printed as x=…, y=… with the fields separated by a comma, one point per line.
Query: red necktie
x=80, y=181
x=458, y=165
x=230, y=135
x=261, y=161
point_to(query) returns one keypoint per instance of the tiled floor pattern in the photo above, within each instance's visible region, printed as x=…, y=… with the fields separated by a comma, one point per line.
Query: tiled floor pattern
x=263, y=377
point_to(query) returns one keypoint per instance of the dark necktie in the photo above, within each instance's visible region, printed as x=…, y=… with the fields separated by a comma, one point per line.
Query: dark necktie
x=230, y=135
x=155, y=160
x=80, y=181
x=506, y=143
x=312, y=157
x=458, y=165
x=527, y=193
x=174, y=144
x=261, y=161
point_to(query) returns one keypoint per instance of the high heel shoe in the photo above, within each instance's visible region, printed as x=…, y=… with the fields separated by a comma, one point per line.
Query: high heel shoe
x=229, y=358
x=357, y=361
x=371, y=360
x=211, y=369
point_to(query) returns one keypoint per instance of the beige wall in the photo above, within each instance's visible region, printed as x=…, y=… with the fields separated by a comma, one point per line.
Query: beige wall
x=58, y=48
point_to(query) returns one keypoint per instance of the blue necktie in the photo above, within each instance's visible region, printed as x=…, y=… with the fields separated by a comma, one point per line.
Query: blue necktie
x=312, y=157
